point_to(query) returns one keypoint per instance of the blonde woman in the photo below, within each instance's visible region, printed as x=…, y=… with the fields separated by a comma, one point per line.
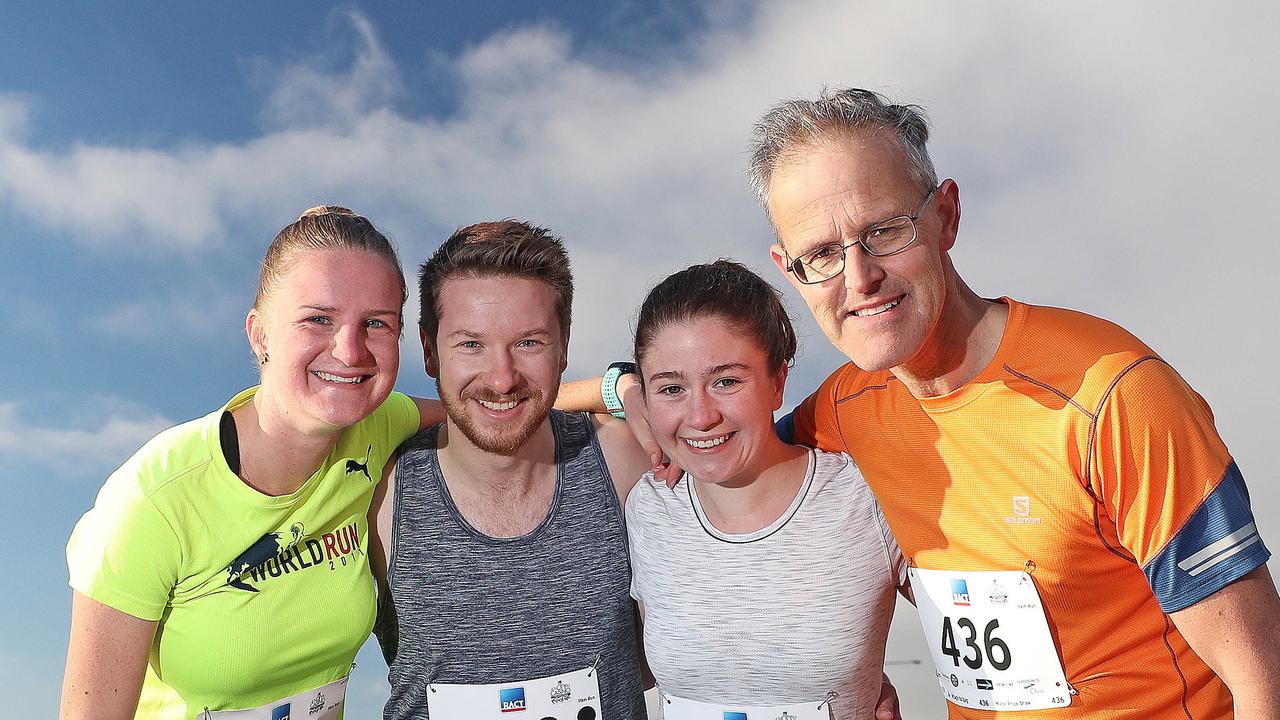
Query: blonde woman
x=222, y=572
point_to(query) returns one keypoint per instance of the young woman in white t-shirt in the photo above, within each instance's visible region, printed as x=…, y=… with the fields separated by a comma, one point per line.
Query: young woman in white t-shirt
x=766, y=575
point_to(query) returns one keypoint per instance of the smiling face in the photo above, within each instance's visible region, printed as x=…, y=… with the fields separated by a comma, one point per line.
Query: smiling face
x=497, y=358
x=330, y=330
x=881, y=311
x=711, y=394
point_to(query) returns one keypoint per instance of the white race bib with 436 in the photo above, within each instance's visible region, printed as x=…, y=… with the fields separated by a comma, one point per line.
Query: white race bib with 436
x=990, y=640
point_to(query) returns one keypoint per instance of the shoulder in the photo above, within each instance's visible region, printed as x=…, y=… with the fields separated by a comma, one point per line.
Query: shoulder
x=173, y=454
x=652, y=503
x=397, y=417
x=414, y=448
x=849, y=381
x=1051, y=329
x=1073, y=354
x=836, y=476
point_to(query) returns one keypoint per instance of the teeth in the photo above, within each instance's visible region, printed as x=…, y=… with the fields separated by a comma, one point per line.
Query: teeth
x=336, y=379
x=868, y=312
x=497, y=406
x=704, y=444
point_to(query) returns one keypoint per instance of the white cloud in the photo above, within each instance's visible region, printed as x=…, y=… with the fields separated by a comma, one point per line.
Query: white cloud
x=1111, y=158
x=90, y=445
x=306, y=96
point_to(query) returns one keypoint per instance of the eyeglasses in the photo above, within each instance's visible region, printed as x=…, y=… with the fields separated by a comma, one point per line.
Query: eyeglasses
x=880, y=240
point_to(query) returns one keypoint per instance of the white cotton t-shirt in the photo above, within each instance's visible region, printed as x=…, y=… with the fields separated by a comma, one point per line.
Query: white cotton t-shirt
x=783, y=615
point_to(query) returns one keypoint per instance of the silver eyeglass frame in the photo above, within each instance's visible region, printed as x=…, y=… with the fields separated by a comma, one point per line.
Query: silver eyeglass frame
x=862, y=237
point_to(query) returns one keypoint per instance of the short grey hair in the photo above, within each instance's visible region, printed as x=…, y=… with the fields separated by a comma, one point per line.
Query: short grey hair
x=791, y=127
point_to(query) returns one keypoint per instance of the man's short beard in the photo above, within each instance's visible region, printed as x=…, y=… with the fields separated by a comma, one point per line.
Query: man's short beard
x=496, y=443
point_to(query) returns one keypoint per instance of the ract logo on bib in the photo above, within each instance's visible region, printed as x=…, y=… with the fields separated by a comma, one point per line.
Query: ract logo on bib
x=511, y=699
x=280, y=712
x=731, y=715
x=959, y=592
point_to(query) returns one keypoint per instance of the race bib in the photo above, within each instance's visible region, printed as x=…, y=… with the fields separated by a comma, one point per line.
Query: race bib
x=570, y=696
x=674, y=708
x=322, y=703
x=989, y=639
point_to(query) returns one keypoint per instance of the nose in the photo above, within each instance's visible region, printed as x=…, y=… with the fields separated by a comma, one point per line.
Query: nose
x=862, y=271
x=502, y=375
x=350, y=345
x=703, y=413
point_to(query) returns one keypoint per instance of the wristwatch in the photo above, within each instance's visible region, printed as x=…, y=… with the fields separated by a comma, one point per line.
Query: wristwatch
x=609, y=387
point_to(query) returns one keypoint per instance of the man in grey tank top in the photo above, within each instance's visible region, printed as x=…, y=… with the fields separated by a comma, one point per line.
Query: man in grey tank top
x=498, y=540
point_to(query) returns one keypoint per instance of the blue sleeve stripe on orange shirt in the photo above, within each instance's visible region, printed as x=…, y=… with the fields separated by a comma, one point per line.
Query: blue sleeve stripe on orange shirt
x=786, y=428
x=1218, y=545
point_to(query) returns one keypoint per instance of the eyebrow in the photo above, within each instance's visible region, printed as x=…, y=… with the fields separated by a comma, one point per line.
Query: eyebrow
x=463, y=332
x=331, y=309
x=677, y=375
x=839, y=237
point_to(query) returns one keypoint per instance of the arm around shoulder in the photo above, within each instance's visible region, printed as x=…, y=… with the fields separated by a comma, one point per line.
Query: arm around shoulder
x=381, y=519
x=430, y=412
x=627, y=460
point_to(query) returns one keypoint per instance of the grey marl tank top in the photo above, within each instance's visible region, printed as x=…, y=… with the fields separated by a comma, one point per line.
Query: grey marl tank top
x=464, y=607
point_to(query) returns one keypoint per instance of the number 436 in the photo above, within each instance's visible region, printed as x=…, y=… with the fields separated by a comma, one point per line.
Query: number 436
x=990, y=648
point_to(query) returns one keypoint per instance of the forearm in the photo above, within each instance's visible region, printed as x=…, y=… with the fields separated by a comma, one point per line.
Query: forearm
x=581, y=396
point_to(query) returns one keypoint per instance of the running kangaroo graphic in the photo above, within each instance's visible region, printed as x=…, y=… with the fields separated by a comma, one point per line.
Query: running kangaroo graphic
x=363, y=467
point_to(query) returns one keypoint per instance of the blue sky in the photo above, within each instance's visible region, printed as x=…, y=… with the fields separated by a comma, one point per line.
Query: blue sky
x=1112, y=159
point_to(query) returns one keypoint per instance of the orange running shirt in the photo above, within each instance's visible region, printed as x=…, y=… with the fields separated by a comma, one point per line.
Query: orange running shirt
x=1082, y=457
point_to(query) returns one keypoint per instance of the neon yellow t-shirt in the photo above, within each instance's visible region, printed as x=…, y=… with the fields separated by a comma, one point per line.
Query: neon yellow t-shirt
x=257, y=597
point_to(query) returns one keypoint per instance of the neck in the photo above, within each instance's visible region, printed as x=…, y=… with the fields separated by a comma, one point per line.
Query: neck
x=963, y=342
x=501, y=495
x=275, y=457
x=759, y=495
x=489, y=473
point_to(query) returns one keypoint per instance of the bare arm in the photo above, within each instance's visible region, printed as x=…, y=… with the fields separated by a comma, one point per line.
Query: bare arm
x=626, y=459
x=380, y=516
x=583, y=396
x=106, y=661
x=887, y=704
x=1236, y=631
x=430, y=412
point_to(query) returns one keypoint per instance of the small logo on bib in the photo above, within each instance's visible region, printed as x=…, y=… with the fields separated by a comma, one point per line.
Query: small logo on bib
x=733, y=715
x=511, y=699
x=317, y=705
x=561, y=693
x=280, y=712
x=998, y=596
x=959, y=592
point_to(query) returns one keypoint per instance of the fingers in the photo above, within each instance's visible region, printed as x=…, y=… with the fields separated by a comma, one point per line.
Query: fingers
x=887, y=705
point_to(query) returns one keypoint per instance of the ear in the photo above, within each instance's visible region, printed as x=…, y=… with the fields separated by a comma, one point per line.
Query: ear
x=564, y=354
x=255, y=330
x=948, y=213
x=429, y=360
x=780, y=384
x=779, y=256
